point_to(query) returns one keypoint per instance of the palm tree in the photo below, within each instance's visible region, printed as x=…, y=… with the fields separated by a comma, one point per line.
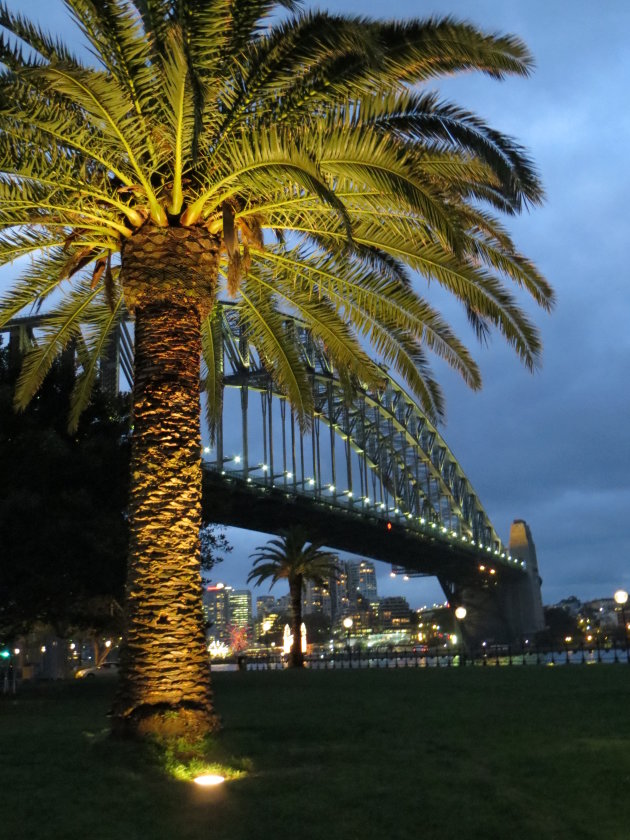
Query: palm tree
x=295, y=166
x=290, y=558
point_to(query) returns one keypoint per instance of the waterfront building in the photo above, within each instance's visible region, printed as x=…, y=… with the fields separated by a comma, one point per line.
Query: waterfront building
x=394, y=613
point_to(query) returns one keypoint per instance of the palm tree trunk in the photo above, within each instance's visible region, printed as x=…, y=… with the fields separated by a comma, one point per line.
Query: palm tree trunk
x=296, y=657
x=165, y=675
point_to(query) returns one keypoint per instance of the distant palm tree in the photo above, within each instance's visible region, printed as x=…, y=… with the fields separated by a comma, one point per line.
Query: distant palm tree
x=290, y=558
x=286, y=159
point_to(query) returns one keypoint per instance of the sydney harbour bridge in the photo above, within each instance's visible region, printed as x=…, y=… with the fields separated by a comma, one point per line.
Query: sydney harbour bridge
x=371, y=476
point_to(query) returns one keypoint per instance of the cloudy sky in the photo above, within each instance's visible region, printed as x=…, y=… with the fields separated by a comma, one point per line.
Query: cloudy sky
x=551, y=448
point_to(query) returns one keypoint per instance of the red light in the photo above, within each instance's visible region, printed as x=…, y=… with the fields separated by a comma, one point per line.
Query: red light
x=389, y=526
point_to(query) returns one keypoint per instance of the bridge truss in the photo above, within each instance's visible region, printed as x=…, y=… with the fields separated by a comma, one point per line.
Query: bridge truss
x=372, y=452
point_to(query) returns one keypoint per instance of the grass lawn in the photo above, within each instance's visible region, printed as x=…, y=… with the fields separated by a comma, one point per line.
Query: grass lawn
x=337, y=755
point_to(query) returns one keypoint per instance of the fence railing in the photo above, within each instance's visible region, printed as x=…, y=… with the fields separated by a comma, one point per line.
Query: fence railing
x=437, y=657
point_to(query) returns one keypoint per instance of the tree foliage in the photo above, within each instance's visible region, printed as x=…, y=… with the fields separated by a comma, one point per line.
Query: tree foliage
x=63, y=534
x=294, y=559
x=63, y=501
x=310, y=148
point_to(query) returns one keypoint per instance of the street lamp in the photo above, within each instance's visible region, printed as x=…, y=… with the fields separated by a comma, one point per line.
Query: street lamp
x=621, y=598
x=460, y=615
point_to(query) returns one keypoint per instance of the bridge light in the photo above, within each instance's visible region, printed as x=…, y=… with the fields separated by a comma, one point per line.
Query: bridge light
x=206, y=449
x=392, y=574
x=382, y=506
x=443, y=529
x=349, y=493
x=433, y=525
x=396, y=510
x=367, y=500
x=406, y=577
x=237, y=459
x=423, y=521
x=389, y=526
x=311, y=482
x=482, y=568
x=464, y=539
x=264, y=468
x=492, y=571
x=289, y=474
x=249, y=481
x=332, y=488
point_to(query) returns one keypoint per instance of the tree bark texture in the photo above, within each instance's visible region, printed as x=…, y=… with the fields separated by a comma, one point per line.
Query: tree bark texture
x=296, y=657
x=165, y=675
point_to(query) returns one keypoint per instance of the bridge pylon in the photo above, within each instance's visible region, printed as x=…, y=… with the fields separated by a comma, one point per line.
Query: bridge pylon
x=507, y=610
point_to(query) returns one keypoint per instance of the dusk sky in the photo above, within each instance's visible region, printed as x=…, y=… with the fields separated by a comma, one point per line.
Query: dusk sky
x=551, y=448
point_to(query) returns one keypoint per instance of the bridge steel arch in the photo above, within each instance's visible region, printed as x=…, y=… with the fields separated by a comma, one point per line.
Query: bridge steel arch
x=373, y=475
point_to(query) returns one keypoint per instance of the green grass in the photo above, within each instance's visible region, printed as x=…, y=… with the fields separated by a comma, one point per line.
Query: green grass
x=476, y=753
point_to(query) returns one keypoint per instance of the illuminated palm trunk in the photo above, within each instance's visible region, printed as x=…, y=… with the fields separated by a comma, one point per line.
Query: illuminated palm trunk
x=296, y=657
x=165, y=675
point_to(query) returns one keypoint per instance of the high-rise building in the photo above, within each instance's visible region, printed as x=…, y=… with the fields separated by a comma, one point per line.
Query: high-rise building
x=265, y=604
x=283, y=604
x=339, y=600
x=360, y=579
x=316, y=600
x=216, y=610
x=240, y=602
x=352, y=580
x=367, y=581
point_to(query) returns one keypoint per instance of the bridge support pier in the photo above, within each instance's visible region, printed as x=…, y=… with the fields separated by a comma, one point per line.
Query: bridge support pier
x=506, y=610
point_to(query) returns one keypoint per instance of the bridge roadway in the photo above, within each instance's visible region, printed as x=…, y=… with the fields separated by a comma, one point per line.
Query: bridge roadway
x=232, y=500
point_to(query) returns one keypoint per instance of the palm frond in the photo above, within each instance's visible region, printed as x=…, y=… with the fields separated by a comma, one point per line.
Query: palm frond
x=58, y=330
x=212, y=349
x=265, y=329
x=103, y=321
